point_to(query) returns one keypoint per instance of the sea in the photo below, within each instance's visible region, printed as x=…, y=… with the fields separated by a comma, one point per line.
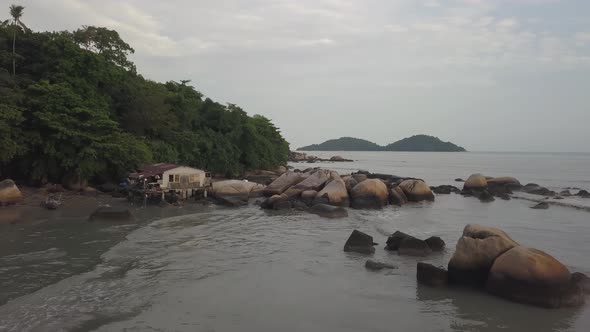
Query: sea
x=212, y=268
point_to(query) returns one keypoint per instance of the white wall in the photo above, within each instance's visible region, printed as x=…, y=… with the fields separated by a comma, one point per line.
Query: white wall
x=182, y=170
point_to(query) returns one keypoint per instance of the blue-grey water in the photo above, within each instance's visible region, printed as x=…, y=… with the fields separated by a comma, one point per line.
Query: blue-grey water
x=244, y=269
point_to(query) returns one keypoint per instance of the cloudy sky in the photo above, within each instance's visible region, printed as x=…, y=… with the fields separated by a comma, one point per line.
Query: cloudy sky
x=491, y=75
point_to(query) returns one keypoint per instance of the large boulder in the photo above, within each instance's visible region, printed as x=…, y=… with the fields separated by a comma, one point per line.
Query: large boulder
x=531, y=276
x=435, y=243
x=394, y=240
x=9, y=192
x=315, y=181
x=328, y=211
x=109, y=213
x=284, y=182
x=416, y=190
x=430, y=275
x=350, y=182
x=475, y=253
x=235, y=192
x=360, y=242
x=280, y=170
x=397, y=196
x=475, y=182
x=360, y=177
x=371, y=193
x=334, y=193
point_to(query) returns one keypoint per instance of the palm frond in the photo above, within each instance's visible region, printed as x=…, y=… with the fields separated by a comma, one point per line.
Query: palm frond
x=16, y=11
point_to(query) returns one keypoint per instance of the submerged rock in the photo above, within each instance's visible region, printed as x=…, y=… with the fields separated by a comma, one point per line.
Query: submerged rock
x=430, y=275
x=532, y=276
x=416, y=190
x=411, y=246
x=540, y=206
x=394, y=240
x=459, y=180
x=376, y=266
x=276, y=202
x=445, y=190
x=369, y=194
x=435, y=243
x=583, y=194
x=535, y=189
x=565, y=193
x=360, y=242
x=328, y=211
x=108, y=213
x=486, y=197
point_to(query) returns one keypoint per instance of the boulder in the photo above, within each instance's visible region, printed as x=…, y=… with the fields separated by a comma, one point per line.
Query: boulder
x=337, y=158
x=9, y=192
x=445, y=190
x=360, y=242
x=411, y=246
x=504, y=196
x=376, y=266
x=435, y=243
x=416, y=190
x=313, y=182
x=280, y=170
x=394, y=240
x=328, y=211
x=360, y=177
x=350, y=182
x=299, y=205
x=583, y=194
x=565, y=193
x=371, y=193
x=531, y=276
x=535, y=189
x=485, y=196
x=475, y=182
x=235, y=192
x=431, y=275
x=505, y=181
x=284, y=182
x=475, y=253
x=397, y=196
x=582, y=281
x=334, y=193
x=540, y=206
x=109, y=213
x=276, y=202
x=308, y=196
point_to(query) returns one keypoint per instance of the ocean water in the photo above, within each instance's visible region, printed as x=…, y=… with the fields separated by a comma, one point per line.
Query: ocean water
x=228, y=269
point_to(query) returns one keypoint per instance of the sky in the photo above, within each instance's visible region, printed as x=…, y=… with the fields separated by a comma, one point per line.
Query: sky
x=495, y=75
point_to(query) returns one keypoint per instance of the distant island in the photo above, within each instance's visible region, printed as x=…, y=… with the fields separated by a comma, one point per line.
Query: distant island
x=415, y=143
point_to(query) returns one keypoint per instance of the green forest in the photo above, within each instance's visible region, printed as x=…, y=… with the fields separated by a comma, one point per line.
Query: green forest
x=414, y=143
x=73, y=106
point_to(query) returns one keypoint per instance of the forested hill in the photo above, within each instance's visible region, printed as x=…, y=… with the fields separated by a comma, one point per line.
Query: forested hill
x=74, y=106
x=344, y=144
x=414, y=143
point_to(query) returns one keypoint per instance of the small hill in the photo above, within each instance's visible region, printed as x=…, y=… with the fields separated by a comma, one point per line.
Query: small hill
x=423, y=143
x=414, y=143
x=344, y=144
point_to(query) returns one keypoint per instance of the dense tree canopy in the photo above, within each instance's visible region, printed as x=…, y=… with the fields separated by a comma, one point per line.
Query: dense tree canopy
x=77, y=107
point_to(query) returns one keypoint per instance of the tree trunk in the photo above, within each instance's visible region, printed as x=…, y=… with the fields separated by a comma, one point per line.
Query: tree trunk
x=14, y=51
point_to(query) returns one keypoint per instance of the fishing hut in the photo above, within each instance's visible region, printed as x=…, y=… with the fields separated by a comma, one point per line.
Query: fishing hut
x=154, y=182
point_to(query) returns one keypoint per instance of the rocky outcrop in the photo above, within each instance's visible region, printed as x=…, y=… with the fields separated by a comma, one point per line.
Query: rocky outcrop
x=445, y=190
x=9, y=192
x=360, y=242
x=430, y=275
x=475, y=182
x=475, y=253
x=334, y=193
x=535, y=189
x=283, y=183
x=416, y=190
x=235, y=192
x=369, y=194
x=377, y=266
x=540, y=206
x=315, y=181
x=531, y=276
x=583, y=194
x=328, y=211
x=109, y=213
x=397, y=196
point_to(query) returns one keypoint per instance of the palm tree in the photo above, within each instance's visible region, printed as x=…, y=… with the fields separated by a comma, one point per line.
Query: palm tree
x=16, y=12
